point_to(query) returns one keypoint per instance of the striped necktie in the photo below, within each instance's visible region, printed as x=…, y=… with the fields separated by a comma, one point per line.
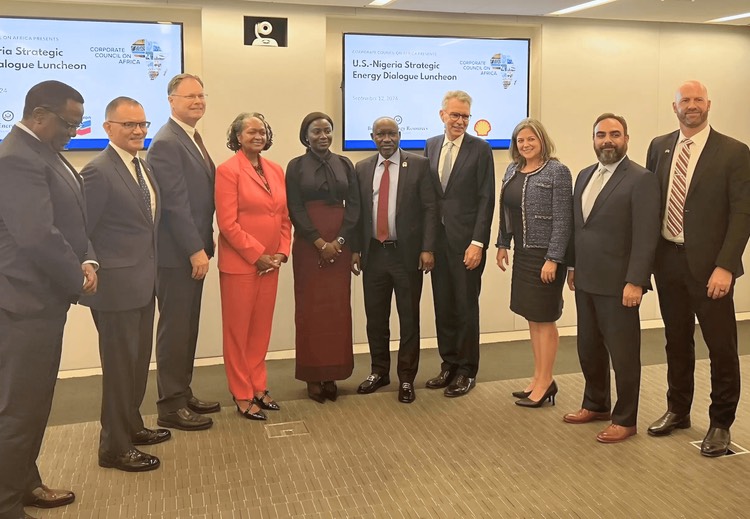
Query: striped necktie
x=676, y=202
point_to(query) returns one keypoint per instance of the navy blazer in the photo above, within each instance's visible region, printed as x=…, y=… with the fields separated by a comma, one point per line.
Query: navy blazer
x=467, y=204
x=42, y=227
x=717, y=205
x=187, y=189
x=122, y=233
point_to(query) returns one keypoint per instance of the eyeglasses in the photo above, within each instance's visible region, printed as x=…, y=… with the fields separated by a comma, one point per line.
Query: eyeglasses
x=455, y=116
x=192, y=97
x=68, y=125
x=143, y=125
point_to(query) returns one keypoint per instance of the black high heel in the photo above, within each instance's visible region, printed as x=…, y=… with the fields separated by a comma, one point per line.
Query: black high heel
x=271, y=406
x=260, y=415
x=330, y=391
x=315, y=391
x=521, y=394
x=548, y=395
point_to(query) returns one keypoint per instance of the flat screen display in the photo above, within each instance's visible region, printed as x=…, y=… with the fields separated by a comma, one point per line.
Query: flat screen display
x=406, y=77
x=100, y=59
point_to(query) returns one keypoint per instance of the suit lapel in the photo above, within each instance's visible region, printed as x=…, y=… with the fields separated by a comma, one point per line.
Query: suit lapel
x=192, y=148
x=127, y=178
x=664, y=165
x=155, y=188
x=706, y=158
x=68, y=173
x=583, y=180
x=433, y=151
x=611, y=185
x=403, y=171
x=458, y=162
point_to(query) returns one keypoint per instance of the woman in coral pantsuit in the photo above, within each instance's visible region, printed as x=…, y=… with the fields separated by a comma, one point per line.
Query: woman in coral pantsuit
x=254, y=240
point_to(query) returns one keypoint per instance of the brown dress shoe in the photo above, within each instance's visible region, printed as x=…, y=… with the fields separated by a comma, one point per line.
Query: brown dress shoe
x=585, y=416
x=45, y=497
x=615, y=434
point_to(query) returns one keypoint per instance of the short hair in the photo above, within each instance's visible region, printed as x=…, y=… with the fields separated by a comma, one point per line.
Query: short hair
x=307, y=121
x=548, y=147
x=456, y=94
x=179, y=78
x=385, y=118
x=115, y=104
x=609, y=115
x=53, y=95
x=233, y=142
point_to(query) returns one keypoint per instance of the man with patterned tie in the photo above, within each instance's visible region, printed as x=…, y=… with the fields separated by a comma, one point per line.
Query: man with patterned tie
x=615, y=230
x=46, y=263
x=394, y=245
x=705, y=208
x=185, y=174
x=122, y=202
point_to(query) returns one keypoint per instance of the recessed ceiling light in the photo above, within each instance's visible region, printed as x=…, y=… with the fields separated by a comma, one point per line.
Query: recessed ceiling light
x=581, y=7
x=730, y=18
x=379, y=3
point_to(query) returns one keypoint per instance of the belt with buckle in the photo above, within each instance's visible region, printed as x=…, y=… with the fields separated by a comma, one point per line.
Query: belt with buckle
x=387, y=244
x=679, y=247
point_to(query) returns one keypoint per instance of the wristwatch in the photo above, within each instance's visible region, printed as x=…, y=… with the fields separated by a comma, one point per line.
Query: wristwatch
x=341, y=240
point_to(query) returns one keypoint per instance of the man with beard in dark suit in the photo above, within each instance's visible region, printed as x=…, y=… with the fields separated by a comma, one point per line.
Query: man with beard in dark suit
x=394, y=245
x=705, y=208
x=185, y=174
x=46, y=263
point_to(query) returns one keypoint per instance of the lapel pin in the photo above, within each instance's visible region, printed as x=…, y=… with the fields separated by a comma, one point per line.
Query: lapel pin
x=666, y=151
x=403, y=164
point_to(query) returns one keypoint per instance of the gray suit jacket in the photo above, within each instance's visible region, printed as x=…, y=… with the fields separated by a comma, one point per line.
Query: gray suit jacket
x=187, y=190
x=121, y=232
x=467, y=204
x=717, y=206
x=42, y=227
x=617, y=243
x=416, y=209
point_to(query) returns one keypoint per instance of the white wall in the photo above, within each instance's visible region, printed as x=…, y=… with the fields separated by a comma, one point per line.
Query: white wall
x=580, y=68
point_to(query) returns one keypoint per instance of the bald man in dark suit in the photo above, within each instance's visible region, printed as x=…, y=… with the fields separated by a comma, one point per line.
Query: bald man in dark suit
x=46, y=263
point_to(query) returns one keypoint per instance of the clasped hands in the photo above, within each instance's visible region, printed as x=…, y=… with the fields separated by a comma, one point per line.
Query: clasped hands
x=327, y=250
x=267, y=263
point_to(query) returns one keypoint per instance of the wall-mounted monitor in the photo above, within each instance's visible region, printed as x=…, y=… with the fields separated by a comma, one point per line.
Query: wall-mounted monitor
x=406, y=77
x=100, y=59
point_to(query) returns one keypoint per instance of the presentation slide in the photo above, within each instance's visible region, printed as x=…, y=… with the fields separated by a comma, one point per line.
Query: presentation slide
x=406, y=77
x=100, y=59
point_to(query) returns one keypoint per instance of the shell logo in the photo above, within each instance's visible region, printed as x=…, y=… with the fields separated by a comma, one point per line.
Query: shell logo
x=482, y=127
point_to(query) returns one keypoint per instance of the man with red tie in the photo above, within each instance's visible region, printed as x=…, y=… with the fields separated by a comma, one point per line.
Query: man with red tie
x=705, y=210
x=393, y=246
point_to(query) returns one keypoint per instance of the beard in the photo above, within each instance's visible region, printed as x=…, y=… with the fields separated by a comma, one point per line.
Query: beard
x=689, y=121
x=610, y=155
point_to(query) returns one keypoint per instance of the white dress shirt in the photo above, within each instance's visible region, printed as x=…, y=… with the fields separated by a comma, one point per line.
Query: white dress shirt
x=127, y=158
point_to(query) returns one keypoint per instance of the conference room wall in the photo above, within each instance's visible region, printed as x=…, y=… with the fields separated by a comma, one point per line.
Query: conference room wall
x=580, y=68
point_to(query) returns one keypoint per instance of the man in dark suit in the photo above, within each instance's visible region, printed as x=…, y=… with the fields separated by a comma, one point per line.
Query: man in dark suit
x=615, y=229
x=705, y=210
x=463, y=175
x=46, y=263
x=122, y=202
x=185, y=174
x=394, y=246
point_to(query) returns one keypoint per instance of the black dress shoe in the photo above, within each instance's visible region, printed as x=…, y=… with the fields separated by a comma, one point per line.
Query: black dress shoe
x=443, y=379
x=460, y=386
x=373, y=383
x=269, y=405
x=151, y=436
x=201, y=407
x=668, y=423
x=131, y=461
x=406, y=393
x=185, y=420
x=521, y=394
x=548, y=395
x=716, y=442
x=330, y=390
x=315, y=391
x=247, y=413
x=45, y=497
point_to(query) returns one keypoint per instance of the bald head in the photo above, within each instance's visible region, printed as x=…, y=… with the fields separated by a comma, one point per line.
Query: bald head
x=691, y=105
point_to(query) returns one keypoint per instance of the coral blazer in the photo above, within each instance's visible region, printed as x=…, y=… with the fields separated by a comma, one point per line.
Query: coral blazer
x=252, y=221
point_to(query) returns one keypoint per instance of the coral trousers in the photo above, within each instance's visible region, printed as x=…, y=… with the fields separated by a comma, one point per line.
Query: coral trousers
x=247, y=305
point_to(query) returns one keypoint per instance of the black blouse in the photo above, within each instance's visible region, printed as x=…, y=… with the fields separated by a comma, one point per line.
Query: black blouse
x=330, y=178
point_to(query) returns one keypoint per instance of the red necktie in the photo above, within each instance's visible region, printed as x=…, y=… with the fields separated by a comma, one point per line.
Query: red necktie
x=385, y=182
x=676, y=202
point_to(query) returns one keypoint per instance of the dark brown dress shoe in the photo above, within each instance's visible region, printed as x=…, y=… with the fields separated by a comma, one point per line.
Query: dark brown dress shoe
x=373, y=383
x=185, y=420
x=201, y=407
x=443, y=379
x=406, y=393
x=151, y=436
x=668, y=423
x=716, y=442
x=615, y=434
x=460, y=386
x=585, y=416
x=131, y=461
x=45, y=497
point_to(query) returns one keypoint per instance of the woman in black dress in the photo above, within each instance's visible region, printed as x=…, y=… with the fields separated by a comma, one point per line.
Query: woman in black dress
x=323, y=204
x=536, y=213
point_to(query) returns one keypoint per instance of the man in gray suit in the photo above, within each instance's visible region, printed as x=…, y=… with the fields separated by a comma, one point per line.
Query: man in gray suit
x=185, y=174
x=616, y=226
x=394, y=244
x=122, y=202
x=46, y=263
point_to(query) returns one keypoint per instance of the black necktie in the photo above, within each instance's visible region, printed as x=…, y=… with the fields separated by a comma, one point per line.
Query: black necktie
x=204, y=151
x=144, y=188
